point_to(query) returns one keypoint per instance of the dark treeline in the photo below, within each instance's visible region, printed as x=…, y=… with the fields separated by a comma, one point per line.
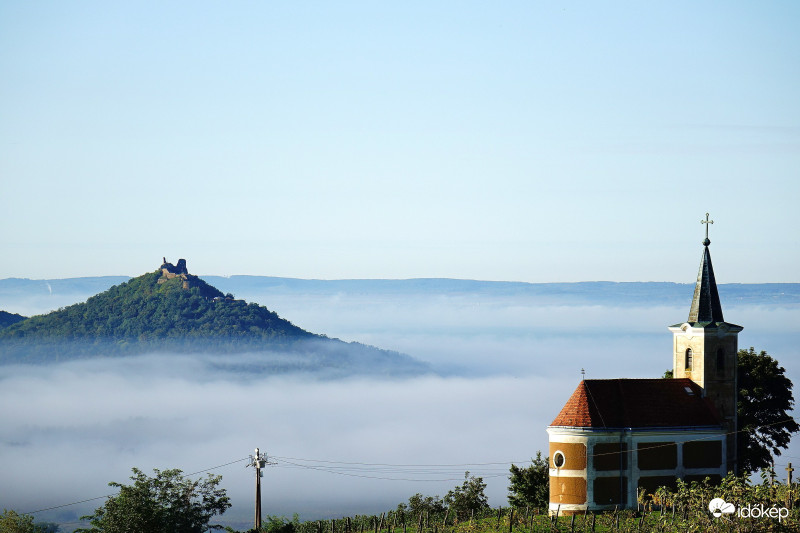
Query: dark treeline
x=9, y=319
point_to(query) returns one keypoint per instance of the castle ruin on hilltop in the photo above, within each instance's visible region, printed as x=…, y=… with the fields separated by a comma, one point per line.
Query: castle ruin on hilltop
x=170, y=271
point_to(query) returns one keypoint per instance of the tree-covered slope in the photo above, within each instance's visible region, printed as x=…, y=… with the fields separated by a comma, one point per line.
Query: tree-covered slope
x=181, y=314
x=144, y=309
x=8, y=319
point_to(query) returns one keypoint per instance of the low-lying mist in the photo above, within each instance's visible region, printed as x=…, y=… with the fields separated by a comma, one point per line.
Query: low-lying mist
x=504, y=368
x=75, y=426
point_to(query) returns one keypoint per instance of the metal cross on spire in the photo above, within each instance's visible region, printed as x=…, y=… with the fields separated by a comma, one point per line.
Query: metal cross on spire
x=706, y=242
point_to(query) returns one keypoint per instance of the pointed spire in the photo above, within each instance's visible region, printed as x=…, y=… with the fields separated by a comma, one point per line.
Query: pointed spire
x=705, y=302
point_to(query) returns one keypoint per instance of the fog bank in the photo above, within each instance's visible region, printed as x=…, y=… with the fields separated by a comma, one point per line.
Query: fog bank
x=76, y=426
x=341, y=446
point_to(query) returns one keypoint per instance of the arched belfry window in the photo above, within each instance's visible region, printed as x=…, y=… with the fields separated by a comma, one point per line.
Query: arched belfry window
x=688, y=358
x=720, y=361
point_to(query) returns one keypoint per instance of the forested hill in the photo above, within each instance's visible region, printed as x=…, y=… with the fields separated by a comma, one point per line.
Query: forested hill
x=184, y=314
x=7, y=319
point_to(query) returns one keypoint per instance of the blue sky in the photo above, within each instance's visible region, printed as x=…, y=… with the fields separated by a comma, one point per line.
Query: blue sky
x=530, y=141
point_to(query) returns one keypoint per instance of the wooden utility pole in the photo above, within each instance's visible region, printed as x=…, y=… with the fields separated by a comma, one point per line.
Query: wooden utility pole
x=259, y=461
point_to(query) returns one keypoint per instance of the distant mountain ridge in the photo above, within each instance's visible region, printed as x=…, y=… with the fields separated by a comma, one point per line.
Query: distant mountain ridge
x=170, y=310
x=566, y=293
x=577, y=293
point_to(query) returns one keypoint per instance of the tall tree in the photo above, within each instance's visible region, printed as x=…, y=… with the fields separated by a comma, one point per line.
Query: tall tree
x=530, y=486
x=468, y=497
x=164, y=503
x=422, y=504
x=765, y=398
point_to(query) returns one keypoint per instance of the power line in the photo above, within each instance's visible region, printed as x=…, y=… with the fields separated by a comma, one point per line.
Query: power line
x=110, y=495
x=68, y=504
x=219, y=466
x=397, y=465
x=365, y=476
x=356, y=469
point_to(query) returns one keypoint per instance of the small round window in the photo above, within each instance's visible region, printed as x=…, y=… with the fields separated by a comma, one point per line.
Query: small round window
x=558, y=459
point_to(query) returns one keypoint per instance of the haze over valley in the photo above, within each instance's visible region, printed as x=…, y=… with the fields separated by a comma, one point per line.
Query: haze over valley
x=504, y=358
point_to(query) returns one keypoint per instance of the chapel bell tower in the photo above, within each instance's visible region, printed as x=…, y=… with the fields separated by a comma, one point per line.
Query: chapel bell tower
x=705, y=348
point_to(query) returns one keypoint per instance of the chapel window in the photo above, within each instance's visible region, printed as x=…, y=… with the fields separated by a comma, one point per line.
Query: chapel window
x=688, y=358
x=559, y=459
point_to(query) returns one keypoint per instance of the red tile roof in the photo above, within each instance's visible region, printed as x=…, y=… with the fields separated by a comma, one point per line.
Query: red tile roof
x=637, y=403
